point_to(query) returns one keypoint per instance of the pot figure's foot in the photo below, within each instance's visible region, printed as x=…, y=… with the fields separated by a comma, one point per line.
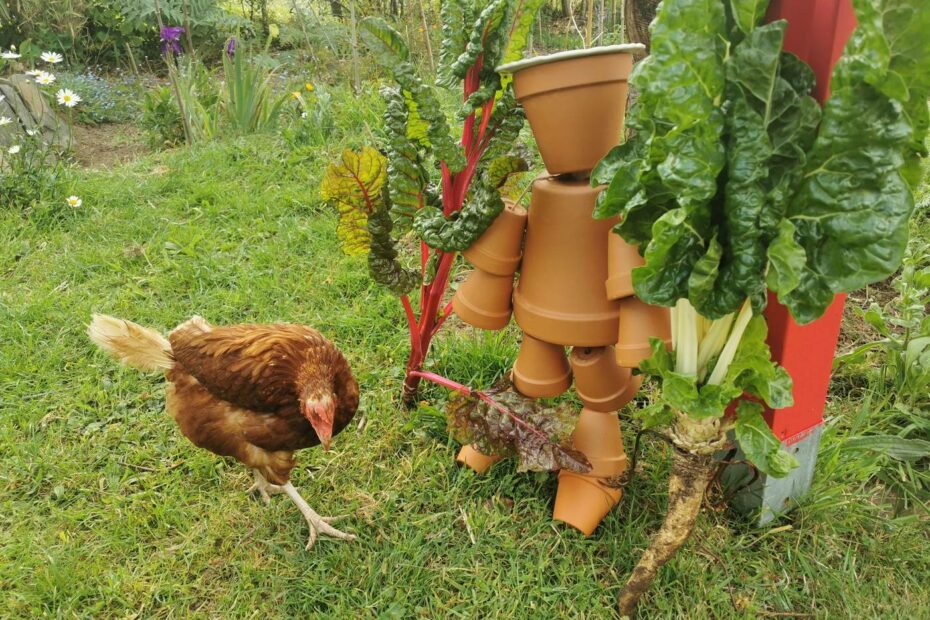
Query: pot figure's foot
x=264, y=488
x=319, y=526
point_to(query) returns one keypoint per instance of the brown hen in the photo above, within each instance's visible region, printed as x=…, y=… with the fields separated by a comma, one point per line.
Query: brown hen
x=256, y=393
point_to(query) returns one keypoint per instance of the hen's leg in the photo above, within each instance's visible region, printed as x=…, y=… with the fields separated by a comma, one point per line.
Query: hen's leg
x=318, y=525
x=264, y=488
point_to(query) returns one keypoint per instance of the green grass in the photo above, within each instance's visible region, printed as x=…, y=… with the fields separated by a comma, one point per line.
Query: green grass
x=106, y=511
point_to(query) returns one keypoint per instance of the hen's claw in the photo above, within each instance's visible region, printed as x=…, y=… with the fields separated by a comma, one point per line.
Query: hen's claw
x=319, y=526
x=264, y=488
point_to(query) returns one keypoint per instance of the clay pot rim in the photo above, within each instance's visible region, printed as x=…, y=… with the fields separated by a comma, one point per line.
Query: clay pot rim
x=526, y=63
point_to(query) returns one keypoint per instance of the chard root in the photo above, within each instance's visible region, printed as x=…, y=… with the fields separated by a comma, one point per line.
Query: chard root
x=691, y=473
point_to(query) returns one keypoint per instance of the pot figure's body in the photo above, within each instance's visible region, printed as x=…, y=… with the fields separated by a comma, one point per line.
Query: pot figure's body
x=560, y=297
x=575, y=103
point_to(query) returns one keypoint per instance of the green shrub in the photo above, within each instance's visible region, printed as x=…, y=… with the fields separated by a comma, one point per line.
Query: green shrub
x=161, y=118
x=30, y=172
x=115, y=99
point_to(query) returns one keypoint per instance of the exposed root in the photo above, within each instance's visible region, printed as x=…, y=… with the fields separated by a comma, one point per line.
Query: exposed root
x=691, y=473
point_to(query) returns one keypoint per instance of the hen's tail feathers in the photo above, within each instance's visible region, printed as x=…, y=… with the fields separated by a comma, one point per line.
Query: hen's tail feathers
x=132, y=344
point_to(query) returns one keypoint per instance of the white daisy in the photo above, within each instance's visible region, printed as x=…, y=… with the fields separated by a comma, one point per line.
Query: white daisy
x=45, y=78
x=74, y=201
x=13, y=150
x=32, y=132
x=11, y=55
x=68, y=97
x=303, y=115
x=33, y=72
x=52, y=58
x=5, y=120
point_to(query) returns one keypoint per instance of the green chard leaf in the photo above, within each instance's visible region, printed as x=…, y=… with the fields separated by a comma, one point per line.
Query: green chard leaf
x=747, y=14
x=753, y=371
x=452, y=15
x=852, y=208
x=392, y=53
x=383, y=265
x=458, y=232
x=759, y=444
x=519, y=34
x=767, y=125
x=407, y=179
x=483, y=31
x=662, y=178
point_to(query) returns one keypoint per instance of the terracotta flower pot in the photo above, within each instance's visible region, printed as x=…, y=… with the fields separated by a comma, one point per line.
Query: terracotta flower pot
x=483, y=300
x=581, y=500
x=638, y=323
x=498, y=250
x=560, y=296
x=575, y=102
x=622, y=258
x=478, y=461
x=541, y=369
x=600, y=383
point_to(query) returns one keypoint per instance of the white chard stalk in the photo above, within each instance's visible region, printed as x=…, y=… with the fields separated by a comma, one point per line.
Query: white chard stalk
x=729, y=350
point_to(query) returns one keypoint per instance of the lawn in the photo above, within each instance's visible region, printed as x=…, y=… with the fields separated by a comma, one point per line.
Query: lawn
x=106, y=511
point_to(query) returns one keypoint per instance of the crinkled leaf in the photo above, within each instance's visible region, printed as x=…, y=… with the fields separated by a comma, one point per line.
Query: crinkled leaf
x=383, y=265
x=407, y=179
x=663, y=177
x=383, y=40
x=458, y=232
x=656, y=415
x=539, y=436
x=759, y=444
x=353, y=185
x=786, y=260
x=484, y=28
x=851, y=210
x=452, y=14
x=520, y=28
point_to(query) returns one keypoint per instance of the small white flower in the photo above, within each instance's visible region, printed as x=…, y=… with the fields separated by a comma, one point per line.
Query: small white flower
x=303, y=115
x=32, y=132
x=52, y=58
x=13, y=150
x=11, y=55
x=68, y=97
x=5, y=120
x=45, y=78
x=2, y=97
x=33, y=72
x=74, y=201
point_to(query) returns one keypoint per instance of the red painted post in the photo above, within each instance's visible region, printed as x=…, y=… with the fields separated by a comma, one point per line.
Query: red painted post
x=817, y=32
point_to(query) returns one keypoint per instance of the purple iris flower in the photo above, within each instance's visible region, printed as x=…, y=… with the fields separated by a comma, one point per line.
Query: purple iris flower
x=170, y=37
x=231, y=47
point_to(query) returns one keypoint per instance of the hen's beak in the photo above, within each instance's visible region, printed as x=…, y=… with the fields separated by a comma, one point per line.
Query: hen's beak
x=321, y=417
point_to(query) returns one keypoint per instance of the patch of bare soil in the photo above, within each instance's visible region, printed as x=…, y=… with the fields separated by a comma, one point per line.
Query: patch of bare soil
x=108, y=144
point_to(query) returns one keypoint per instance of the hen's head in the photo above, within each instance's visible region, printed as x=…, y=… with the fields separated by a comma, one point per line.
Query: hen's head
x=320, y=411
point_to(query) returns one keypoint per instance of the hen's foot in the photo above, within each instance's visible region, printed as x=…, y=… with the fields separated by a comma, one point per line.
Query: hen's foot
x=319, y=526
x=264, y=488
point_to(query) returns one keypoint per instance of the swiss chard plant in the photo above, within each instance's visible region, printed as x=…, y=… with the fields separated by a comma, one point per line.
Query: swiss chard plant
x=433, y=178
x=733, y=182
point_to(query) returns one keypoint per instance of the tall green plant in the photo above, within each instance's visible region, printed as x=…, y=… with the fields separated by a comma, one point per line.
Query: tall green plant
x=248, y=102
x=436, y=182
